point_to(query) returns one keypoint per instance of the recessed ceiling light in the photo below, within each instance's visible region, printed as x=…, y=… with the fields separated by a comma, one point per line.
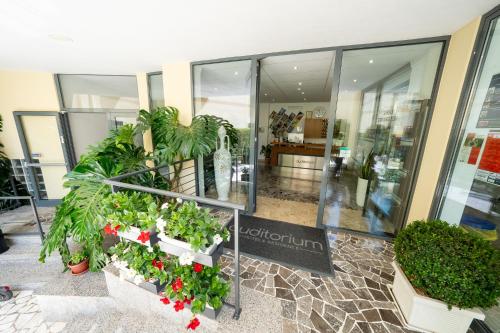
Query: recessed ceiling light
x=60, y=38
x=216, y=88
x=265, y=94
x=370, y=61
x=300, y=83
x=305, y=99
x=302, y=93
x=295, y=68
x=236, y=73
x=299, y=89
x=354, y=80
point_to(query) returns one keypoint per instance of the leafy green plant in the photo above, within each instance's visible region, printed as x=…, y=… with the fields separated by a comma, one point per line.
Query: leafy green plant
x=266, y=150
x=447, y=263
x=77, y=257
x=126, y=209
x=366, y=168
x=192, y=224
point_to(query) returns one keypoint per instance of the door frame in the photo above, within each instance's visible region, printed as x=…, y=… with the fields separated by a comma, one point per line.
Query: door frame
x=445, y=40
x=28, y=160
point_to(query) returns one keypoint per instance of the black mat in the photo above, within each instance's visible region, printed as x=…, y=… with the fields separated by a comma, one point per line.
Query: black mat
x=286, y=243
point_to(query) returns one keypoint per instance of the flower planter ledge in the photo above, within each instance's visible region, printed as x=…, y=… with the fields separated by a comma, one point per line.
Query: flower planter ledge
x=427, y=314
x=134, y=234
x=175, y=247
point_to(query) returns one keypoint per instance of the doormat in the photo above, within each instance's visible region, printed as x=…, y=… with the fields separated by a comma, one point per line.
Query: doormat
x=286, y=243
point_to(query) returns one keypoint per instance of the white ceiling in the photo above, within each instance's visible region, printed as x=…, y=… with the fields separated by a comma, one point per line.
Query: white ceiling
x=128, y=36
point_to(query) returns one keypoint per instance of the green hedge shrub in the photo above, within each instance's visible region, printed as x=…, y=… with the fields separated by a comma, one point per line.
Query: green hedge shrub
x=449, y=264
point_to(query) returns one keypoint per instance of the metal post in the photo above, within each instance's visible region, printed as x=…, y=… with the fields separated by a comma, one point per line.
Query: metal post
x=37, y=218
x=237, y=309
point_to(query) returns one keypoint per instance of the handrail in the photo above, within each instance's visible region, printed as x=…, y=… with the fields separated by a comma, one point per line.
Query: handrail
x=33, y=208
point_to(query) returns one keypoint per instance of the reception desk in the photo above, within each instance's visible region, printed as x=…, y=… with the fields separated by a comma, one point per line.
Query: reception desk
x=290, y=155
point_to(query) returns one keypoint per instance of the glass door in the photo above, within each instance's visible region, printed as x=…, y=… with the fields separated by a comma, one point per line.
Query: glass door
x=376, y=134
x=45, y=155
x=227, y=90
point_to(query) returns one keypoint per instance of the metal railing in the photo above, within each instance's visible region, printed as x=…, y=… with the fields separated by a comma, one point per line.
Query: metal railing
x=33, y=208
x=116, y=184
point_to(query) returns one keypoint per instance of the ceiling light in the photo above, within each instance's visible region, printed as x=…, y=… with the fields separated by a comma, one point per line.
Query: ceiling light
x=236, y=73
x=295, y=68
x=265, y=94
x=354, y=80
x=299, y=89
x=370, y=61
x=60, y=38
x=300, y=83
x=216, y=88
x=302, y=93
x=305, y=99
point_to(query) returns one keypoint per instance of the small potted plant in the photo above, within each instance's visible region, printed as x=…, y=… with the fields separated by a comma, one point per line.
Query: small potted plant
x=365, y=173
x=79, y=263
x=266, y=151
x=443, y=275
x=131, y=215
x=185, y=228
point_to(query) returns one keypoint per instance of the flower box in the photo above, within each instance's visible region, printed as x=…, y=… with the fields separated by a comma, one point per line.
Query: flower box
x=152, y=286
x=209, y=257
x=133, y=234
x=427, y=314
x=209, y=311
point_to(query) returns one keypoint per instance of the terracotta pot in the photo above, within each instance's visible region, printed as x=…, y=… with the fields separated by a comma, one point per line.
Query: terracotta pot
x=80, y=268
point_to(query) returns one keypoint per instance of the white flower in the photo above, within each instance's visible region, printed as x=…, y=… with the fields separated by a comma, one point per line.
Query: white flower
x=186, y=258
x=179, y=200
x=126, y=250
x=131, y=273
x=150, y=249
x=114, y=257
x=138, y=279
x=218, y=239
x=164, y=206
x=161, y=223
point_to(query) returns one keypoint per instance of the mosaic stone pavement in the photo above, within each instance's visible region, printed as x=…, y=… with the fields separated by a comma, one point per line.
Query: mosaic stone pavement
x=22, y=314
x=356, y=299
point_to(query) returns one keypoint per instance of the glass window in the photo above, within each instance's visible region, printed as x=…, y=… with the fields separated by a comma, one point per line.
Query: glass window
x=472, y=196
x=223, y=90
x=155, y=82
x=384, y=97
x=99, y=91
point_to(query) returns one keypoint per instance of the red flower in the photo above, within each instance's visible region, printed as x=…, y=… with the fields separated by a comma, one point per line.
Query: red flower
x=197, y=267
x=158, y=264
x=165, y=300
x=177, y=285
x=178, y=306
x=143, y=237
x=193, y=324
x=111, y=231
x=188, y=300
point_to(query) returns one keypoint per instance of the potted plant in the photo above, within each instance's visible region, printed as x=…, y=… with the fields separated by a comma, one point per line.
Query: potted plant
x=186, y=229
x=266, y=151
x=443, y=275
x=245, y=176
x=365, y=172
x=131, y=215
x=79, y=263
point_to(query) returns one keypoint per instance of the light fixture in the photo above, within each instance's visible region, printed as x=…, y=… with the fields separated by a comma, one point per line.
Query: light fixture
x=370, y=61
x=299, y=89
x=302, y=93
x=354, y=80
x=236, y=73
x=300, y=83
x=216, y=88
x=305, y=99
x=265, y=94
x=295, y=68
x=60, y=38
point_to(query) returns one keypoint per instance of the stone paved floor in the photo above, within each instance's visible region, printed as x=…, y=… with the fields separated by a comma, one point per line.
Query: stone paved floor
x=355, y=300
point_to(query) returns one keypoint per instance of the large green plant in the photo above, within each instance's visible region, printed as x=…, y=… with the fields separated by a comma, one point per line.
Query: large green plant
x=366, y=168
x=449, y=264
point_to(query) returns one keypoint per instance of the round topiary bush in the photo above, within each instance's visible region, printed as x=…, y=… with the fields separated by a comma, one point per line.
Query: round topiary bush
x=447, y=263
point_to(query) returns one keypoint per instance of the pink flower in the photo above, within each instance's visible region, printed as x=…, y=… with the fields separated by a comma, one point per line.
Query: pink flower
x=193, y=324
x=197, y=267
x=178, y=306
x=143, y=237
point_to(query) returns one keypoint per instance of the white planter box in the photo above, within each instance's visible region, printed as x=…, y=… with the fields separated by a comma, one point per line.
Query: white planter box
x=133, y=233
x=361, y=191
x=427, y=314
x=177, y=243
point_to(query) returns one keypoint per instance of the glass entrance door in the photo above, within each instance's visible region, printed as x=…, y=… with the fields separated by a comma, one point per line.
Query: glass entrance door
x=376, y=134
x=45, y=156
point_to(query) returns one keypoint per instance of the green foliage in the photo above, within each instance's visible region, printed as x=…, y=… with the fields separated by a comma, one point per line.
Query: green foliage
x=126, y=209
x=77, y=257
x=266, y=150
x=192, y=224
x=366, y=169
x=449, y=264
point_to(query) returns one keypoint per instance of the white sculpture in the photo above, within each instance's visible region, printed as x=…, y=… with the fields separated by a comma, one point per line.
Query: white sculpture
x=222, y=165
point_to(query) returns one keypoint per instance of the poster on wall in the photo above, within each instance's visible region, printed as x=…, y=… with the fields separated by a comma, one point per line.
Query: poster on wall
x=490, y=112
x=471, y=148
x=489, y=166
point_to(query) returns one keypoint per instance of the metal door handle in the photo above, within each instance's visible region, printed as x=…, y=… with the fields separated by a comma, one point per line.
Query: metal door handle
x=39, y=165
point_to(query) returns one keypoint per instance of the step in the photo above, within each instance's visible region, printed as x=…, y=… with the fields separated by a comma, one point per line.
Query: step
x=66, y=297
